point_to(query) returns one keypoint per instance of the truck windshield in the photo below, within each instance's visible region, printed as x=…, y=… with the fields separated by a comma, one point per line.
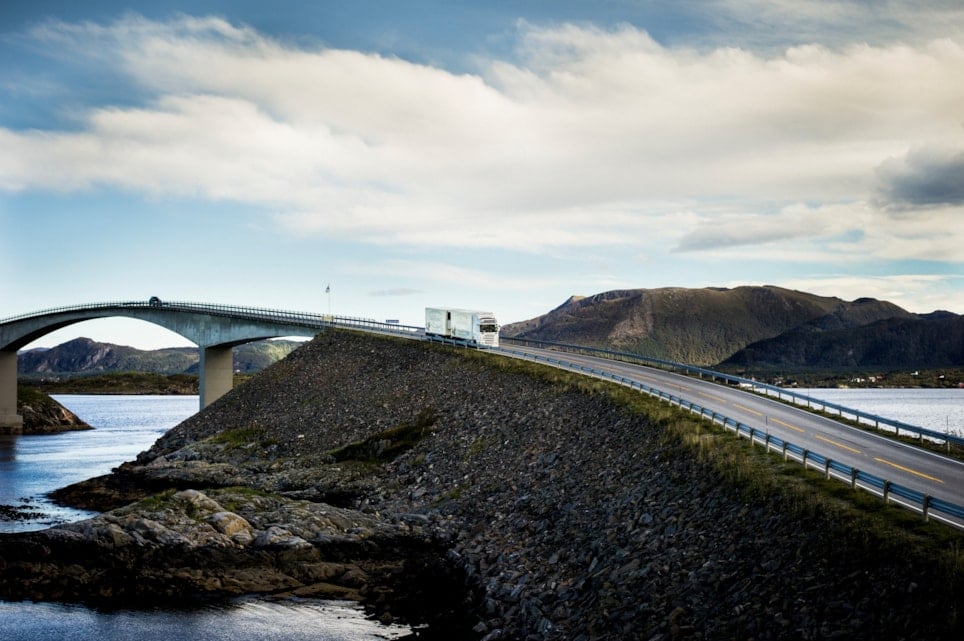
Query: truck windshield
x=488, y=328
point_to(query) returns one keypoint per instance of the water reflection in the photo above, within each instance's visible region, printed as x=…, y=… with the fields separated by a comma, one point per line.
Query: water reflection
x=247, y=618
x=6, y=453
x=31, y=465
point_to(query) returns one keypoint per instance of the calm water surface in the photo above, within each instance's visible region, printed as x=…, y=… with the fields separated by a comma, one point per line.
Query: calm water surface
x=935, y=409
x=32, y=465
x=242, y=620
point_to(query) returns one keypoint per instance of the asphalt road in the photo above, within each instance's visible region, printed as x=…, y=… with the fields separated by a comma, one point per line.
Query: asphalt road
x=912, y=467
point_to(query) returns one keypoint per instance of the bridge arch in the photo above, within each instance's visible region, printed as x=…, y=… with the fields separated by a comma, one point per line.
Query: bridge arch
x=215, y=329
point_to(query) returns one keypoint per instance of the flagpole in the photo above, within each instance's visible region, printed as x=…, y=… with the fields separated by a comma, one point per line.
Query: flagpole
x=328, y=291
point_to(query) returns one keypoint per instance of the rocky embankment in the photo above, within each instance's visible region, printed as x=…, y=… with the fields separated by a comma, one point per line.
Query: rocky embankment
x=457, y=489
x=44, y=415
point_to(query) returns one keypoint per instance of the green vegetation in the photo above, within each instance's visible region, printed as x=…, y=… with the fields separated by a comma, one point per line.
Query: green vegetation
x=388, y=444
x=123, y=383
x=477, y=447
x=445, y=497
x=237, y=497
x=43, y=414
x=156, y=502
x=901, y=343
x=240, y=437
x=27, y=395
x=127, y=383
x=231, y=498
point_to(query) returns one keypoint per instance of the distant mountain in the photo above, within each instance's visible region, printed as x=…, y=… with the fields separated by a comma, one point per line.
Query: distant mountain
x=696, y=326
x=930, y=341
x=85, y=356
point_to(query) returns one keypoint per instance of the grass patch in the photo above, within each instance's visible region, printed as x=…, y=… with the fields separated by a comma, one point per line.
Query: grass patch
x=388, y=444
x=478, y=446
x=237, y=438
x=157, y=501
x=123, y=383
x=240, y=496
x=445, y=497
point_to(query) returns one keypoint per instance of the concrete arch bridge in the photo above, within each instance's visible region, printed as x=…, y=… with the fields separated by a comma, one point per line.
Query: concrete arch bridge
x=215, y=329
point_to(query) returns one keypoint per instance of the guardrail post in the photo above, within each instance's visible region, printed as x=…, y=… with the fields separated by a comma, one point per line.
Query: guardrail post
x=805, y=452
x=927, y=508
x=853, y=478
x=826, y=469
x=886, y=491
x=785, y=451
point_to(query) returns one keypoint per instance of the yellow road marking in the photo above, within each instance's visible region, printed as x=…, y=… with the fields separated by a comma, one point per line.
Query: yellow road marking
x=713, y=396
x=747, y=409
x=840, y=445
x=907, y=469
x=647, y=377
x=785, y=424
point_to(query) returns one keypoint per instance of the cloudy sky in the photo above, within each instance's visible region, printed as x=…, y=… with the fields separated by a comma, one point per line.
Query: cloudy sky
x=494, y=155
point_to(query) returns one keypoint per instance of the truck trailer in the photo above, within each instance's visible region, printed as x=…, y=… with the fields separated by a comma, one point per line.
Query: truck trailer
x=479, y=328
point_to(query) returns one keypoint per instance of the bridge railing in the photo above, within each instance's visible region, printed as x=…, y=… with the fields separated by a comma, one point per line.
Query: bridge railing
x=73, y=308
x=303, y=319
x=860, y=416
x=930, y=507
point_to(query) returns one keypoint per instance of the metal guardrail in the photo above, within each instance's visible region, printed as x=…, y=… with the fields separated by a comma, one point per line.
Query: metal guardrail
x=802, y=399
x=928, y=506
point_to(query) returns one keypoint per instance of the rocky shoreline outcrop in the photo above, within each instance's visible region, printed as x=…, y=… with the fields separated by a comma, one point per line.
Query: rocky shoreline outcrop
x=44, y=415
x=458, y=490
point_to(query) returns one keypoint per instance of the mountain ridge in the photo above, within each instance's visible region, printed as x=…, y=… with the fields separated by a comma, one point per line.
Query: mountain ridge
x=927, y=342
x=709, y=326
x=83, y=356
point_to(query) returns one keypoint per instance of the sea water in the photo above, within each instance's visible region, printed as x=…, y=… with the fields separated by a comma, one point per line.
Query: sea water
x=32, y=465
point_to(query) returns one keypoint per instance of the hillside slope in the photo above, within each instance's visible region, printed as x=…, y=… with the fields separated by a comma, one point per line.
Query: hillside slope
x=927, y=342
x=44, y=415
x=697, y=326
x=85, y=356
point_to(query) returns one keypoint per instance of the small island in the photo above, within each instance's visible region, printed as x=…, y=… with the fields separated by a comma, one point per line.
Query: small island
x=44, y=415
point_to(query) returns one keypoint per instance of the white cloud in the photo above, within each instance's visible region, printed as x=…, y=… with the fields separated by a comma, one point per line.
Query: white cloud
x=594, y=138
x=919, y=293
x=794, y=223
x=436, y=272
x=849, y=233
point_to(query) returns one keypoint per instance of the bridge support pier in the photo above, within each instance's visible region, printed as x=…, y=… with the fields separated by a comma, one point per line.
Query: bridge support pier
x=216, y=373
x=10, y=421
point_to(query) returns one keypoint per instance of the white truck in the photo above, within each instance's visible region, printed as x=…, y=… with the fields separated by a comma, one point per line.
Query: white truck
x=471, y=326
